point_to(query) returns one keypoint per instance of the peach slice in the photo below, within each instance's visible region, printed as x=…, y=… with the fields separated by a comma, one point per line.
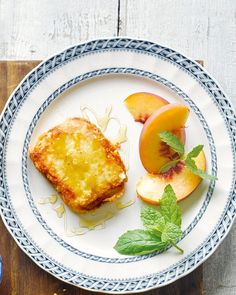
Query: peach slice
x=142, y=104
x=150, y=187
x=153, y=152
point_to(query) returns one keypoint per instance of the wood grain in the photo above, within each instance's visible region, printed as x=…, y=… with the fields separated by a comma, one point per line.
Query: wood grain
x=21, y=275
x=37, y=29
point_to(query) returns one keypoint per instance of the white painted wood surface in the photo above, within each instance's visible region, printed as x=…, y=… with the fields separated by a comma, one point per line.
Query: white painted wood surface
x=201, y=29
x=32, y=29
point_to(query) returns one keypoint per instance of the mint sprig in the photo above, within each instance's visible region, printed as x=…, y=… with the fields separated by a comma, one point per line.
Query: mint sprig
x=190, y=164
x=195, y=151
x=152, y=219
x=162, y=228
x=171, y=233
x=169, y=208
x=172, y=141
x=139, y=242
x=176, y=145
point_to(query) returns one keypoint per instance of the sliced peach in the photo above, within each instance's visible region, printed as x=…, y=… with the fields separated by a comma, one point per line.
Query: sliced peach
x=153, y=152
x=142, y=104
x=150, y=187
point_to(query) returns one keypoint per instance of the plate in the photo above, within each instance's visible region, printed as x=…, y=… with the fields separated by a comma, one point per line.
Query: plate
x=97, y=74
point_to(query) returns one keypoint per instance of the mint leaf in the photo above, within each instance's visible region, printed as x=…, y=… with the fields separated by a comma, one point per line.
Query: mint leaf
x=169, y=208
x=195, y=151
x=163, y=228
x=168, y=166
x=173, y=141
x=152, y=218
x=175, y=144
x=138, y=242
x=190, y=164
x=171, y=233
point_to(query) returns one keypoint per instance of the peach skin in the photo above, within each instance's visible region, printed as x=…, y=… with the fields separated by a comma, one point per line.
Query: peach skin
x=154, y=154
x=142, y=104
x=151, y=187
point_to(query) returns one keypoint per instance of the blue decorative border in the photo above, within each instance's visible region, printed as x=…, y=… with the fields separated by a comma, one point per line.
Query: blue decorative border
x=185, y=265
x=60, y=90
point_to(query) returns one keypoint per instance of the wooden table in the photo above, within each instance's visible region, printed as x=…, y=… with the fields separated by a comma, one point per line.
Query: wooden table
x=203, y=29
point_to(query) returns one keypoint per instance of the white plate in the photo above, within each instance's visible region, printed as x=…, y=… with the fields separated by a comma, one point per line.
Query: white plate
x=101, y=73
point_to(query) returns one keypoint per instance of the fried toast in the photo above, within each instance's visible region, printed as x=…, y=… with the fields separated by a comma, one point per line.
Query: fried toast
x=83, y=166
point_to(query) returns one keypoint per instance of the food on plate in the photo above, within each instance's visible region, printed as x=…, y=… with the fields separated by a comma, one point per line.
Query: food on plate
x=142, y=104
x=184, y=173
x=154, y=154
x=172, y=175
x=162, y=228
x=176, y=180
x=150, y=187
x=84, y=167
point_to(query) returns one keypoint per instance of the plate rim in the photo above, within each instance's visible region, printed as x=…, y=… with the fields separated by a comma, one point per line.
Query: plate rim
x=153, y=44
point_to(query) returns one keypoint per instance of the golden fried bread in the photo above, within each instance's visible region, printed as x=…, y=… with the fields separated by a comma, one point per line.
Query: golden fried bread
x=84, y=167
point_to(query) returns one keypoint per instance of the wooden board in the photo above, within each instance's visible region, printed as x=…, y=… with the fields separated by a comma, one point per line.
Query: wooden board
x=21, y=275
